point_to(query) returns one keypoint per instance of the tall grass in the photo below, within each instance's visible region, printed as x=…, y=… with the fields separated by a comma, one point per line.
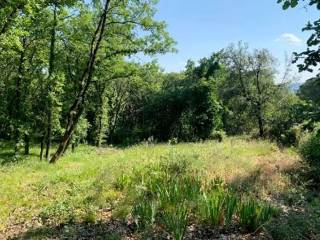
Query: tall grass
x=98, y=178
x=171, y=195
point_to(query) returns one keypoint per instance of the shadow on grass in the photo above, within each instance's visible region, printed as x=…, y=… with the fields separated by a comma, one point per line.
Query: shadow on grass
x=110, y=230
x=299, y=204
x=8, y=157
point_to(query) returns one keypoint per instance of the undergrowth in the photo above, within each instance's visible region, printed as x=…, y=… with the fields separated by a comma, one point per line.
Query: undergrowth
x=172, y=195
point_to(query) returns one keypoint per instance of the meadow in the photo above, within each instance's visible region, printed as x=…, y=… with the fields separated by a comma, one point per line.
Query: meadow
x=93, y=193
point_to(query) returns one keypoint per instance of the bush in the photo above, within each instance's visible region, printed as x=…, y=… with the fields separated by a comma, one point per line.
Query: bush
x=213, y=208
x=144, y=214
x=292, y=137
x=252, y=215
x=310, y=152
x=218, y=135
x=175, y=221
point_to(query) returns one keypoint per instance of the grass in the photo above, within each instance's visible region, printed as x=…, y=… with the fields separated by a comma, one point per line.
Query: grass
x=83, y=183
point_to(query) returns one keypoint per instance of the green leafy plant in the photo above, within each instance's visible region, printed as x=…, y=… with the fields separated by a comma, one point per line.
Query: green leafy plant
x=253, y=215
x=217, y=135
x=213, y=208
x=230, y=204
x=144, y=214
x=310, y=151
x=175, y=220
x=122, y=182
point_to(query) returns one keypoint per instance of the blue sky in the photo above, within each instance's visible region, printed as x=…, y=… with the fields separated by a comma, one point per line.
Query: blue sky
x=204, y=26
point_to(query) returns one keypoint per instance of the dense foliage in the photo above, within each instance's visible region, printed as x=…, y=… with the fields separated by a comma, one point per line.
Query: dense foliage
x=68, y=77
x=310, y=151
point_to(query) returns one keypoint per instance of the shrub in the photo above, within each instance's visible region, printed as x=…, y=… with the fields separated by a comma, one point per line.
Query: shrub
x=292, y=137
x=175, y=220
x=218, y=135
x=231, y=204
x=253, y=215
x=213, y=208
x=310, y=152
x=144, y=214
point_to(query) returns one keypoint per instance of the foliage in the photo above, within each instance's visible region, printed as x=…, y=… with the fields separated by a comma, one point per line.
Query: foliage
x=144, y=213
x=310, y=90
x=310, y=56
x=171, y=193
x=310, y=151
x=175, y=221
x=253, y=215
x=218, y=135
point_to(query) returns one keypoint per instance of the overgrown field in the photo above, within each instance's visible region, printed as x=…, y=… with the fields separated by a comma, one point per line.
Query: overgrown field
x=238, y=189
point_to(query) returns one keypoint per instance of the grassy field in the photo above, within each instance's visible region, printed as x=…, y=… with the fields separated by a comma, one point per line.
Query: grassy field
x=77, y=198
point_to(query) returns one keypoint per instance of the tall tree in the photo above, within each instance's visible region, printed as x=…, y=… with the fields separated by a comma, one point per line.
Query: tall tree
x=123, y=20
x=250, y=81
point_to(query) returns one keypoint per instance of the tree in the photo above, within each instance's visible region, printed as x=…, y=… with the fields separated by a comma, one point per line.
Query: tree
x=122, y=19
x=249, y=85
x=310, y=57
x=310, y=91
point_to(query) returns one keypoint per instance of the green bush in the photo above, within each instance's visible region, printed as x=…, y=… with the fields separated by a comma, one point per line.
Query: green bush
x=310, y=152
x=175, y=220
x=292, y=137
x=218, y=135
x=144, y=214
x=213, y=211
x=252, y=215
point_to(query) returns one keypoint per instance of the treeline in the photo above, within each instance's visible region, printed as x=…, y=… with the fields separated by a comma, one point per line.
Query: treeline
x=235, y=91
x=66, y=76
x=57, y=59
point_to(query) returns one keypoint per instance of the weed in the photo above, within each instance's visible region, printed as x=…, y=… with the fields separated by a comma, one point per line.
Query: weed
x=252, y=215
x=122, y=182
x=175, y=220
x=60, y=211
x=144, y=214
x=212, y=208
x=230, y=204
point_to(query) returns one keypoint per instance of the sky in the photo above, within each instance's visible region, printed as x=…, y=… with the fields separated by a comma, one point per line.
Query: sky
x=204, y=26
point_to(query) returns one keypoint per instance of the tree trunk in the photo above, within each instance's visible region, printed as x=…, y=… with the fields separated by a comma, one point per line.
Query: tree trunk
x=49, y=133
x=99, y=132
x=51, y=70
x=42, y=147
x=26, y=144
x=77, y=107
x=73, y=147
x=100, y=117
x=260, y=120
x=17, y=101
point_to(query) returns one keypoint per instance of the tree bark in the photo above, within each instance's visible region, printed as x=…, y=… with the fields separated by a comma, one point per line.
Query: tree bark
x=86, y=79
x=51, y=70
x=17, y=101
x=42, y=147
